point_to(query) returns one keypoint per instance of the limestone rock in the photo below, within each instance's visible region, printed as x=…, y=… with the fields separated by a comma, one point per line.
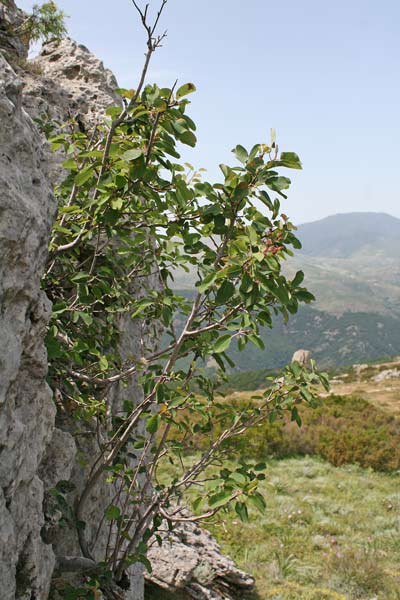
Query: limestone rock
x=66, y=80
x=11, y=18
x=303, y=357
x=358, y=369
x=190, y=561
x=27, y=209
x=387, y=374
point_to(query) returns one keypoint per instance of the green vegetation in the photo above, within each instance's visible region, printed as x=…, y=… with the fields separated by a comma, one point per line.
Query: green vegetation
x=246, y=381
x=334, y=340
x=45, y=23
x=341, y=430
x=327, y=534
x=130, y=213
x=350, y=267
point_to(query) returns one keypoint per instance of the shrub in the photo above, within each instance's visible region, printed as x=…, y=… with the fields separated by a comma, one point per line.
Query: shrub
x=341, y=430
x=45, y=23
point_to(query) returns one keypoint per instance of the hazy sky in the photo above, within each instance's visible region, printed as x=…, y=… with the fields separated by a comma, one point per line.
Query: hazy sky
x=324, y=74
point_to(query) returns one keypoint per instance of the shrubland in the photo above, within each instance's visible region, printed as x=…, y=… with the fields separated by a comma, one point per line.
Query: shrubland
x=327, y=533
x=339, y=429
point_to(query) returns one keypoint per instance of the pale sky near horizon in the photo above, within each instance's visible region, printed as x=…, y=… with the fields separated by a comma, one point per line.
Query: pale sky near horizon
x=325, y=75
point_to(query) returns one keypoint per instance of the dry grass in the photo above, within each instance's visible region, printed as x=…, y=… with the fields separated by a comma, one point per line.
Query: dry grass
x=385, y=394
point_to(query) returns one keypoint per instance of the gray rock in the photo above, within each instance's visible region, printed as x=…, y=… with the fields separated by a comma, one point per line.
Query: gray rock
x=12, y=46
x=386, y=374
x=303, y=357
x=358, y=369
x=27, y=209
x=190, y=560
x=66, y=80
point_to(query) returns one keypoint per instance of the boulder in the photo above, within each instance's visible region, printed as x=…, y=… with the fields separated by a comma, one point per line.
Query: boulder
x=303, y=357
x=190, y=561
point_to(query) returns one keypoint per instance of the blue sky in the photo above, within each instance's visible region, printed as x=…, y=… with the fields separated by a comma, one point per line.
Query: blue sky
x=324, y=74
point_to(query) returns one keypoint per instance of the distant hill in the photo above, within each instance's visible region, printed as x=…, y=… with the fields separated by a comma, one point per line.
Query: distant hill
x=352, y=262
x=334, y=341
x=351, y=234
x=352, y=265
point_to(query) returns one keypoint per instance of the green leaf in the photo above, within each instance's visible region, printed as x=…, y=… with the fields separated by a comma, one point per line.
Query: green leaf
x=247, y=284
x=207, y=282
x=279, y=290
x=219, y=499
x=132, y=154
x=304, y=296
x=117, y=203
x=253, y=237
x=258, y=501
x=298, y=279
x=241, y=154
x=238, y=477
x=112, y=512
x=147, y=564
x=84, y=175
x=86, y=318
x=184, y=90
x=197, y=502
x=125, y=93
x=257, y=341
x=241, y=191
x=141, y=305
x=290, y=160
x=69, y=164
x=82, y=276
x=153, y=423
x=241, y=510
x=225, y=292
x=295, y=416
x=188, y=138
x=103, y=363
x=278, y=183
x=222, y=343
x=113, y=111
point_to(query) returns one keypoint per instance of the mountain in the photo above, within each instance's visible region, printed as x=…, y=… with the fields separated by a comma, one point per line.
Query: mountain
x=352, y=265
x=350, y=235
x=334, y=340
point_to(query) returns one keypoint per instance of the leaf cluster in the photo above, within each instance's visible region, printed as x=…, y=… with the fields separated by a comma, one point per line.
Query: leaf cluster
x=46, y=23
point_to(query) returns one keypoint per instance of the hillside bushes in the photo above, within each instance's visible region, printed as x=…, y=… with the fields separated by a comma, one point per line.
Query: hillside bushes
x=341, y=430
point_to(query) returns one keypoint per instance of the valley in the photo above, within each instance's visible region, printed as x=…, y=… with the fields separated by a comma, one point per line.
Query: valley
x=351, y=265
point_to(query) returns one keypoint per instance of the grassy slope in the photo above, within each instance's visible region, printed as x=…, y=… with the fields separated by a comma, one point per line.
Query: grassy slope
x=328, y=533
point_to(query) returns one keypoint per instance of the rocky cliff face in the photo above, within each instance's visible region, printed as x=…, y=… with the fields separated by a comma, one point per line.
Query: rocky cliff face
x=37, y=445
x=40, y=445
x=27, y=412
